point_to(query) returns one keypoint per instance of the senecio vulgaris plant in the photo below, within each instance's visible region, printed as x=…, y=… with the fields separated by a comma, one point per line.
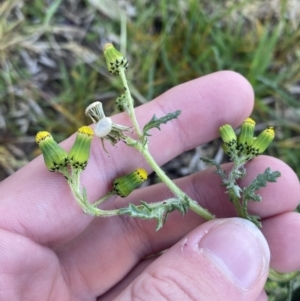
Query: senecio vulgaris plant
x=240, y=148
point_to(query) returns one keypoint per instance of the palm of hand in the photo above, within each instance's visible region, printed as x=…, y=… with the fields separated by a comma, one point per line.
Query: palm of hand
x=50, y=250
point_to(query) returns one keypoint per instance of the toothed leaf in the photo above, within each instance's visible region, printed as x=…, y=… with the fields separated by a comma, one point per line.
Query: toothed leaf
x=260, y=181
x=158, y=211
x=218, y=170
x=157, y=122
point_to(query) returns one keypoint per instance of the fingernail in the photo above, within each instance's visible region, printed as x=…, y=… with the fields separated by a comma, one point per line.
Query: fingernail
x=239, y=248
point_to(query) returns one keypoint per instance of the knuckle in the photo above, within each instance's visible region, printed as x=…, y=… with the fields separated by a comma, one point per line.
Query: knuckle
x=165, y=284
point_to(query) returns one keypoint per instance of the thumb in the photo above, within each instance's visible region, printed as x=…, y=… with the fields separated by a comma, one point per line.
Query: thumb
x=225, y=259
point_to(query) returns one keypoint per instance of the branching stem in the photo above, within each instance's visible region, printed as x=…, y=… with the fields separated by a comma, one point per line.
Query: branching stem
x=143, y=149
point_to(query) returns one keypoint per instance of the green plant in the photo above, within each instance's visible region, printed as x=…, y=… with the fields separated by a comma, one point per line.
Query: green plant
x=252, y=38
x=240, y=149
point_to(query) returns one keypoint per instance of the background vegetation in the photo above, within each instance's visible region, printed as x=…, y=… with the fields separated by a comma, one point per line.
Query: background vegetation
x=52, y=67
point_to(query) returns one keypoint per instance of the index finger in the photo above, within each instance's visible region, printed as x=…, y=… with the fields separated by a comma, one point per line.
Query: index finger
x=39, y=204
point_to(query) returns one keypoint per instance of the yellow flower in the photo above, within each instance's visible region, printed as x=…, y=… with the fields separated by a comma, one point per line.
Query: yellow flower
x=245, y=138
x=80, y=151
x=124, y=185
x=229, y=137
x=261, y=143
x=55, y=157
x=114, y=59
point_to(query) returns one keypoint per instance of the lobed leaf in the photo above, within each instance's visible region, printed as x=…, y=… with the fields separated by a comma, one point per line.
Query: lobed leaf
x=157, y=122
x=260, y=181
x=158, y=211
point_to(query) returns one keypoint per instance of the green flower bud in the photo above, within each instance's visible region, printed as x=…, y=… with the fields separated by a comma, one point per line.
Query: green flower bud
x=123, y=186
x=228, y=136
x=245, y=138
x=261, y=143
x=121, y=103
x=226, y=150
x=80, y=151
x=55, y=157
x=114, y=59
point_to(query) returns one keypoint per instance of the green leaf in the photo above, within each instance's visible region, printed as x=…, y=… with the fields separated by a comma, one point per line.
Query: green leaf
x=234, y=189
x=219, y=170
x=51, y=11
x=158, y=211
x=157, y=122
x=255, y=219
x=260, y=181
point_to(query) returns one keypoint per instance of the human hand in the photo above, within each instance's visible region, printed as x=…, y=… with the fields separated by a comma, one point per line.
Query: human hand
x=50, y=250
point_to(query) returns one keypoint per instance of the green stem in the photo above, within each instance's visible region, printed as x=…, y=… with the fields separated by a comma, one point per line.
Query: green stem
x=76, y=194
x=233, y=176
x=103, y=213
x=143, y=149
x=130, y=101
x=244, y=208
x=200, y=210
x=282, y=277
x=237, y=205
x=89, y=208
x=104, y=198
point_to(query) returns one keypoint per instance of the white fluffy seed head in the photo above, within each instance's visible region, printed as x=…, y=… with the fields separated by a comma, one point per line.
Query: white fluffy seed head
x=103, y=127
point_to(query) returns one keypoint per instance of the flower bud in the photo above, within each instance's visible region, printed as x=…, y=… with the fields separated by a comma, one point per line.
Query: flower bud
x=80, y=151
x=261, y=143
x=226, y=150
x=228, y=136
x=114, y=59
x=123, y=186
x=121, y=103
x=245, y=138
x=55, y=157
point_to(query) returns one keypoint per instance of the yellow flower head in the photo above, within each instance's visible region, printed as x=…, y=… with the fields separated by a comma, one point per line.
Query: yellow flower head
x=245, y=138
x=114, y=59
x=261, y=143
x=229, y=137
x=124, y=185
x=80, y=151
x=55, y=157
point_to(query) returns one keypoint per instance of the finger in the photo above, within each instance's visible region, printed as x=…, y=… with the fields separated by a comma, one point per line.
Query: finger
x=29, y=271
x=206, y=187
x=38, y=204
x=137, y=239
x=222, y=259
x=282, y=233
x=131, y=276
x=139, y=269
x=263, y=296
x=278, y=197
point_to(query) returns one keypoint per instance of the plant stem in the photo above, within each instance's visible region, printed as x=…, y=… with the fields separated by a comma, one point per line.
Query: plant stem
x=282, y=277
x=237, y=205
x=104, y=198
x=76, y=193
x=143, y=149
x=89, y=208
x=130, y=101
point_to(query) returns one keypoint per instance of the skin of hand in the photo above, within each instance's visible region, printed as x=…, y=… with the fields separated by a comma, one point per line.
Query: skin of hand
x=50, y=250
